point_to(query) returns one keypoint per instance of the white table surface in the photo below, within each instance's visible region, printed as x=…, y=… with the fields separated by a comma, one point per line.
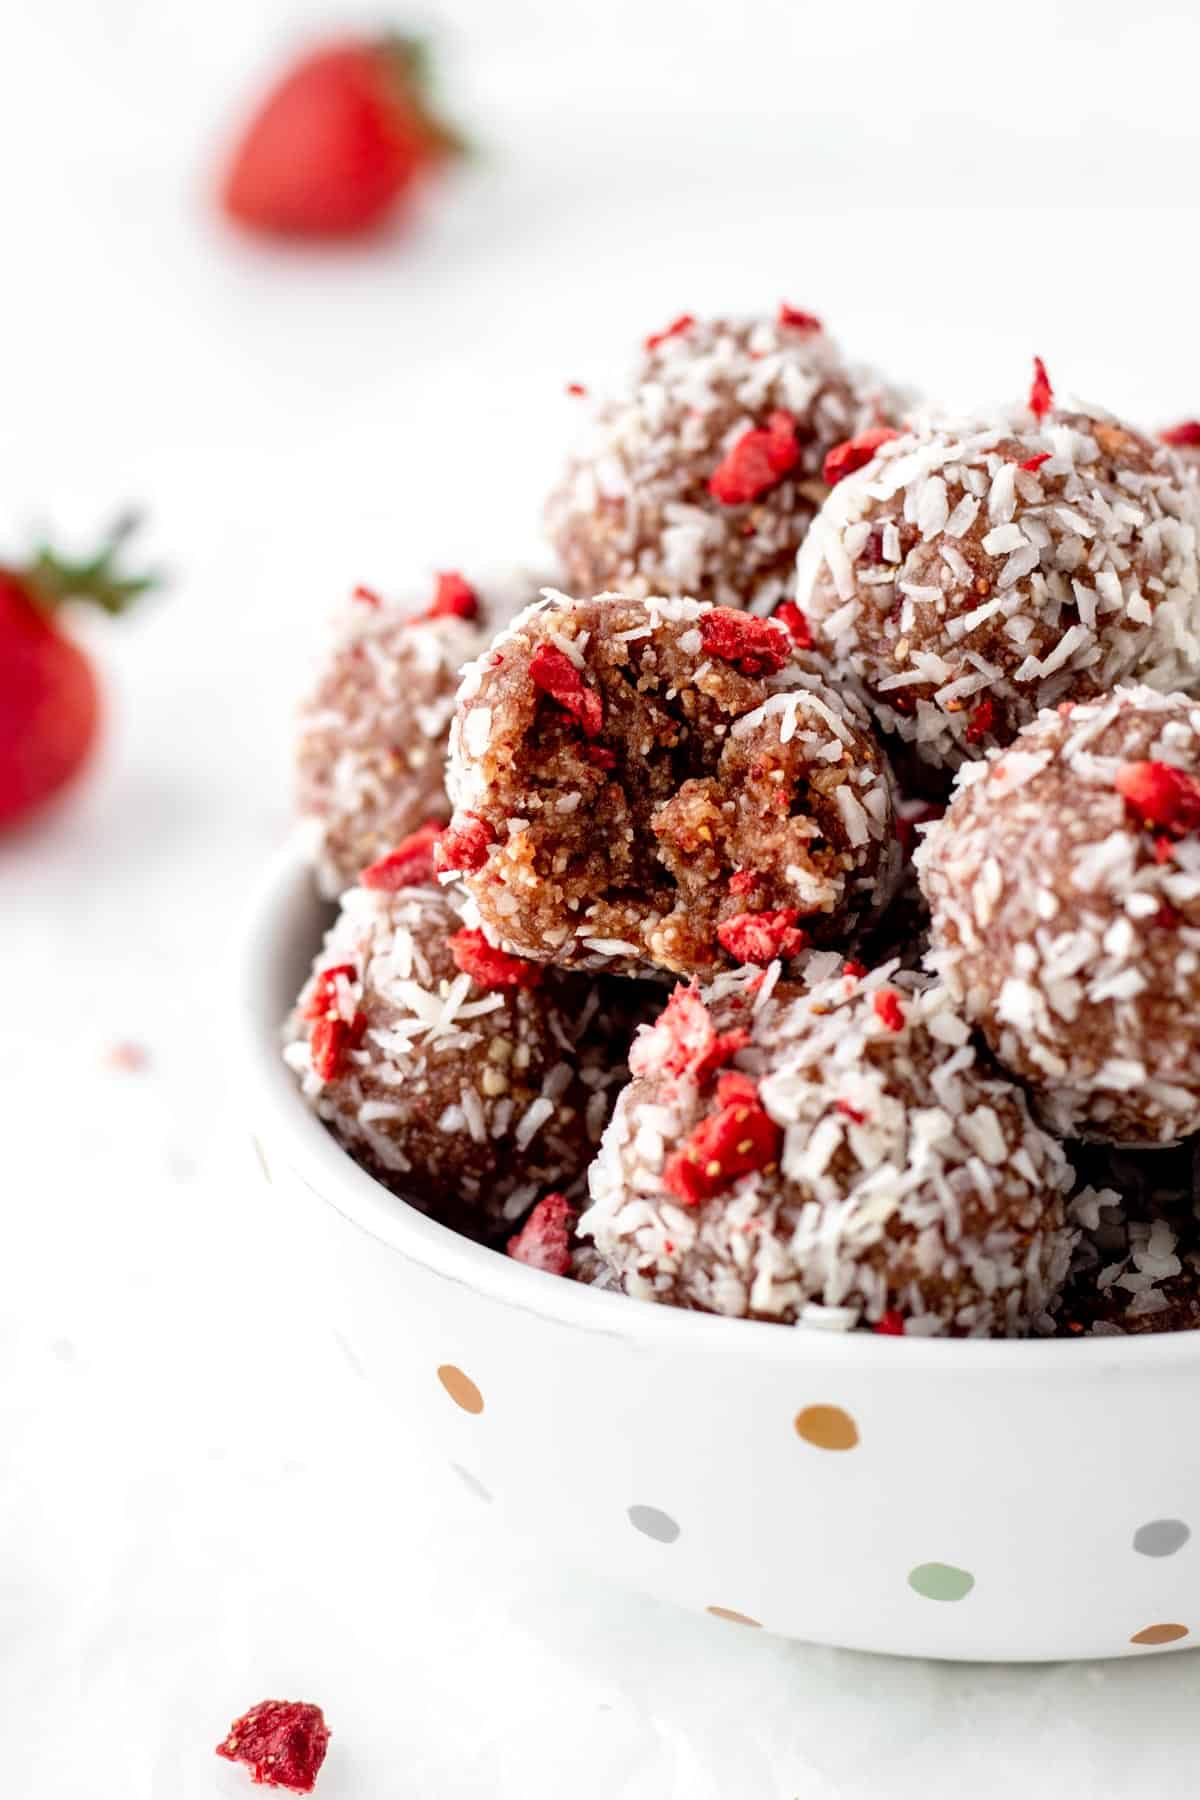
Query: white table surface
x=197, y=1504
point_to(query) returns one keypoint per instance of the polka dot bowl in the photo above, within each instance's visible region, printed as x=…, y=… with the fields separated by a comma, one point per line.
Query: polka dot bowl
x=977, y=1500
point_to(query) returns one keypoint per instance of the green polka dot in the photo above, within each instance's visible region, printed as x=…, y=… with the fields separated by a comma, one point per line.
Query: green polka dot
x=940, y=1581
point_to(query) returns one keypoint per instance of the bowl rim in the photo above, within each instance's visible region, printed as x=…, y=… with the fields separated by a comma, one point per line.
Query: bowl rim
x=320, y=1162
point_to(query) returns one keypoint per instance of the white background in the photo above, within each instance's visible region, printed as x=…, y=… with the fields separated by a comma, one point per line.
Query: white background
x=198, y=1504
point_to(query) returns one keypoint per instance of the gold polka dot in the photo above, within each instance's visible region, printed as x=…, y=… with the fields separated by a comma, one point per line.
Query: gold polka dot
x=735, y=1618
x=261, y=1154
x=461, y=1388
x=828, y=1427
x=1159, y=1634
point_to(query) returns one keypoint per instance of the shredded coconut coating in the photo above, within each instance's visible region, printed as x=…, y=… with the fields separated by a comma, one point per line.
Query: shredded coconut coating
x=1068, y=929
x=469, y=1102
x=703, y=796
x=911, y=1179
x=965, y=591
x=634, y=512
x=370, y=756
x=1137, y=1264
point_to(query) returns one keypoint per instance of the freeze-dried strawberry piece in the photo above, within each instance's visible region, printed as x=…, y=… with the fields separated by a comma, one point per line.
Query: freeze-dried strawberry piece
x=983, y=717
x=684, y=1041
x=453, y=598
x=855, y=453
x=1184, y=436
x=756, y=461
x=366, y=596
x=761, y=937
x=544, y=1241
x=329, y=1040
x=755, y=646
x=793, y=319
x=600, y=757
x=891, y=1324
x=1032, y=464
x=795, y=623
x=1161, y=795
x=576, y=389
x=676, y=328
x=888, y=1009
x=1041, y=394
x=738, y=1138
x=322, y=1001
x=854, y=969
x=410, y=864
x=552, y=670
x=489, y=967
x=848, y=1111
x=463, y=847
x=281, y=1742
x=743, y=881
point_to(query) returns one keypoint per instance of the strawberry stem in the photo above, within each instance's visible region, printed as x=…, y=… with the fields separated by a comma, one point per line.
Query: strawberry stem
x=408, y=62
x=52, y=579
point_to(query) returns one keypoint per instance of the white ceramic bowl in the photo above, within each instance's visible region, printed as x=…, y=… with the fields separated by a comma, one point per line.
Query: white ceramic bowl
x=924, y=1497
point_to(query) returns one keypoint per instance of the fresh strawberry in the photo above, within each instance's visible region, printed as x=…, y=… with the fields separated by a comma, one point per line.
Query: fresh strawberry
x=338, y=142
x=49, y=701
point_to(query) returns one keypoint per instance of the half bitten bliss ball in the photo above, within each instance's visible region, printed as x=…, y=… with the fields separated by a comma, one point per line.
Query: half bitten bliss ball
x=830, y=1155
x=662, y=784
x=1064, y=888
x=371, y=751
x=705, y=475
x=969, y=574
x=465, y=1080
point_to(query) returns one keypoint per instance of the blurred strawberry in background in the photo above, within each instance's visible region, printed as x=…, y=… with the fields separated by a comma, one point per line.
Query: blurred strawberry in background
x=49, y=699
x=340, y=144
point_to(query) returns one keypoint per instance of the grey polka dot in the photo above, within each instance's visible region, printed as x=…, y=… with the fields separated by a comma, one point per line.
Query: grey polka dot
x=653, y=1523
x=471, y=1481
x=1161, y=1537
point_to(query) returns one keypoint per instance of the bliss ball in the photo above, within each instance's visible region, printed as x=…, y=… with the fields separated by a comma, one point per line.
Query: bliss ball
x=967, y=575
x=1064, y=889
x=663, y=785
x=371, y=749
x=466, y=1081
x=703, y=477
x=835, y=1154
x=1136, y=1267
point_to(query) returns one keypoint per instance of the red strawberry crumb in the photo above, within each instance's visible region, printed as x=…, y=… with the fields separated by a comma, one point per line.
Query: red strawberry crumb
x=795, y=622
x=1184, y=436
x=755, y=646
x=600, y=757
x=738, y=1138
x=322, y=1001
x=453, y=598
x=1168, y=917
x=676, y=328
x=683, y=1041
x=890, y=1325
x=1032, y=464
x=410, y=864
x=489, y=967
x=757, y=461
x=888, y=1009
x=849, y=1112
x=1164, y=849
x=793, y=319
x=544, y=1241
x=1161, y=795
x=463, y=847
x=1041, y=394
x=761, y=937
x=552, y=670
x=366, y=596
x=855, y=970
x=576, y=388
x=281, y=1742
x=982, y=718
x=743, y=881
x=855, y=453
x=331, y=1037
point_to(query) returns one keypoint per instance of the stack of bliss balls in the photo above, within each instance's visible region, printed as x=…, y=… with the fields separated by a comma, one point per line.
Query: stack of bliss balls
x=792, y=911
